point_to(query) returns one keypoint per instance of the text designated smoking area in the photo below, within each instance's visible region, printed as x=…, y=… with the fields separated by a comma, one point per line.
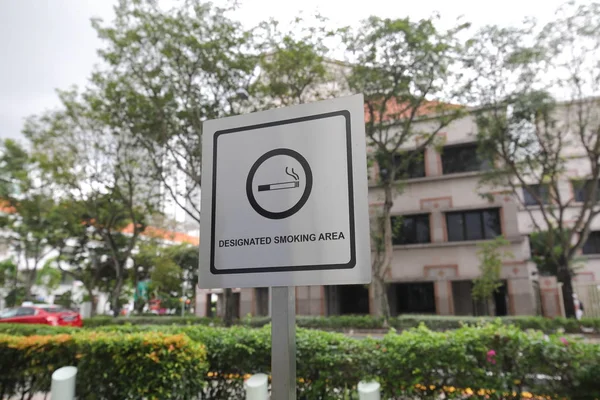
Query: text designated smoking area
x=285, y=204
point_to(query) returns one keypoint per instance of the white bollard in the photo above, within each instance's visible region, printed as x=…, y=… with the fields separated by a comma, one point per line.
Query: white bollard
x=369, y=391
x=257, y=387
x=63, y=384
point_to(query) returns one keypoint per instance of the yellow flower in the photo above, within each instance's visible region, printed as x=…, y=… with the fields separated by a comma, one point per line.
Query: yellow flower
x=517, y=381
x=469, y=391
x=527, y=395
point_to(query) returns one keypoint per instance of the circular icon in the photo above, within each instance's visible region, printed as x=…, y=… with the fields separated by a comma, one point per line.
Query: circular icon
x=279, y=183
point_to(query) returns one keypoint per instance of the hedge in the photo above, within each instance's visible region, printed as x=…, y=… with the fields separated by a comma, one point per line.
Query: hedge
x=149, y=320
x=493, y=360
x=110, y=365
x=437, y=323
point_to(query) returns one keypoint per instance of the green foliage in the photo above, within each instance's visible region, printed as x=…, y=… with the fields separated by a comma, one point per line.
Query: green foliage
x=109, y=365
x=65, y=300
x=547, y=249
x=535, y=86
x=293, y=66
x=35, y=218
x=164, y=268
x=148, y=320
x=8, y=272
x=16, y=296
x=491, y=259
x=356, y=322
x=400, y=65
x=492, y=360
x=49, y=275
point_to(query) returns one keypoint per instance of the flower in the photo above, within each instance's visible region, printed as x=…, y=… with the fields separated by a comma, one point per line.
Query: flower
x=491, y=356
x=564, y=341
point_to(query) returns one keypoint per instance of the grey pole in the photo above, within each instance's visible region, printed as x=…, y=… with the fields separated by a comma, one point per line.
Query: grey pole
x=283, y=343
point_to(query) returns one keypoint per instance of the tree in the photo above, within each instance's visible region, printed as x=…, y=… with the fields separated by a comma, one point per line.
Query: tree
x=402, y=67
x=537, y=120
x=546, y=249
x=187, y=258
x=9, y=279
x=293, y=65
x=98, y=167
x=33, y=216
x=48, y=276
x=168, y=72
x=489, y=281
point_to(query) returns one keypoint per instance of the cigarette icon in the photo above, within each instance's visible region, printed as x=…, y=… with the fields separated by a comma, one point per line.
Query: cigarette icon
x=282, y=185
x=278, y=186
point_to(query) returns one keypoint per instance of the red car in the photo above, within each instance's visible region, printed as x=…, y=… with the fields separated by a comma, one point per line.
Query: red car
x=45, y=314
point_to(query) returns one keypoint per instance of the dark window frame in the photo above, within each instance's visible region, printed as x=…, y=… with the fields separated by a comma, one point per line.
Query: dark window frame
x=415, y=169
x=457, y=164
x=400, y=238
x=592, y=244
x=464, y=236
x=538, y=189
x=580, y=190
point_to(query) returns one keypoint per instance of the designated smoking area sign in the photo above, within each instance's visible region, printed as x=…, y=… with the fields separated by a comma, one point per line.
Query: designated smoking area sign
x=284, y=203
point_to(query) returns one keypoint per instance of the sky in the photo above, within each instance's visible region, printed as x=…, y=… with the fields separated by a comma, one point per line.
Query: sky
x=50, y=44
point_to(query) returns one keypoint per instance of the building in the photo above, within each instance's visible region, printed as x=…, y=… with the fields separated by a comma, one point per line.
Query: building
x=446, y=214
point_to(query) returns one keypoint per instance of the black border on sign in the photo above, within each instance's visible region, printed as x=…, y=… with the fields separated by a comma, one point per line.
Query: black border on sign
x=351, y=263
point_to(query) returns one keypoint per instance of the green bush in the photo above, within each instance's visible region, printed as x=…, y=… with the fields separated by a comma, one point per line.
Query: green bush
x=149, y=320
x=326, y=363
x=110, y=365
x=418, y=363
x=369, y=322
x=491, y=360
x=34, y=329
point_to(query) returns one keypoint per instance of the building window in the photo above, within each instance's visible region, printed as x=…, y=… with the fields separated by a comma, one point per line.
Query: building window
x=262, y=301
x=473, y=225
x=463, y=158
x=411, y=229
x=533, y=193
x=414, y=168
x=581, y=189
x=412, y=298
x=592, y=244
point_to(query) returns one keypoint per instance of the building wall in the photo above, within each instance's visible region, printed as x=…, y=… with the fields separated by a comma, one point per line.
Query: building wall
x=451, y=266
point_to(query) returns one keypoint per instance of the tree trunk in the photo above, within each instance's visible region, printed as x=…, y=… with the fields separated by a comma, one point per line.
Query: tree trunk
x=383, y=256
x=94, y=305
x=116, y=293
x=380, y=298
x=491, y=309
x=29, y=280
x=564, y=277
x=93, y=301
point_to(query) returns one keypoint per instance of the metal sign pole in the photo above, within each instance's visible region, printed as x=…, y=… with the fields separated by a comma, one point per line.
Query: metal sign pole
x=283, y=343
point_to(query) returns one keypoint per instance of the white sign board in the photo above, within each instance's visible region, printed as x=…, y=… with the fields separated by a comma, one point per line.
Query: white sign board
x=284, y=197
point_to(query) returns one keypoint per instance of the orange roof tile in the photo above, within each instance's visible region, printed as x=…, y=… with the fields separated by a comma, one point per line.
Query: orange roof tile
x=6, y=208
x=396, y=111
x=158, y=233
